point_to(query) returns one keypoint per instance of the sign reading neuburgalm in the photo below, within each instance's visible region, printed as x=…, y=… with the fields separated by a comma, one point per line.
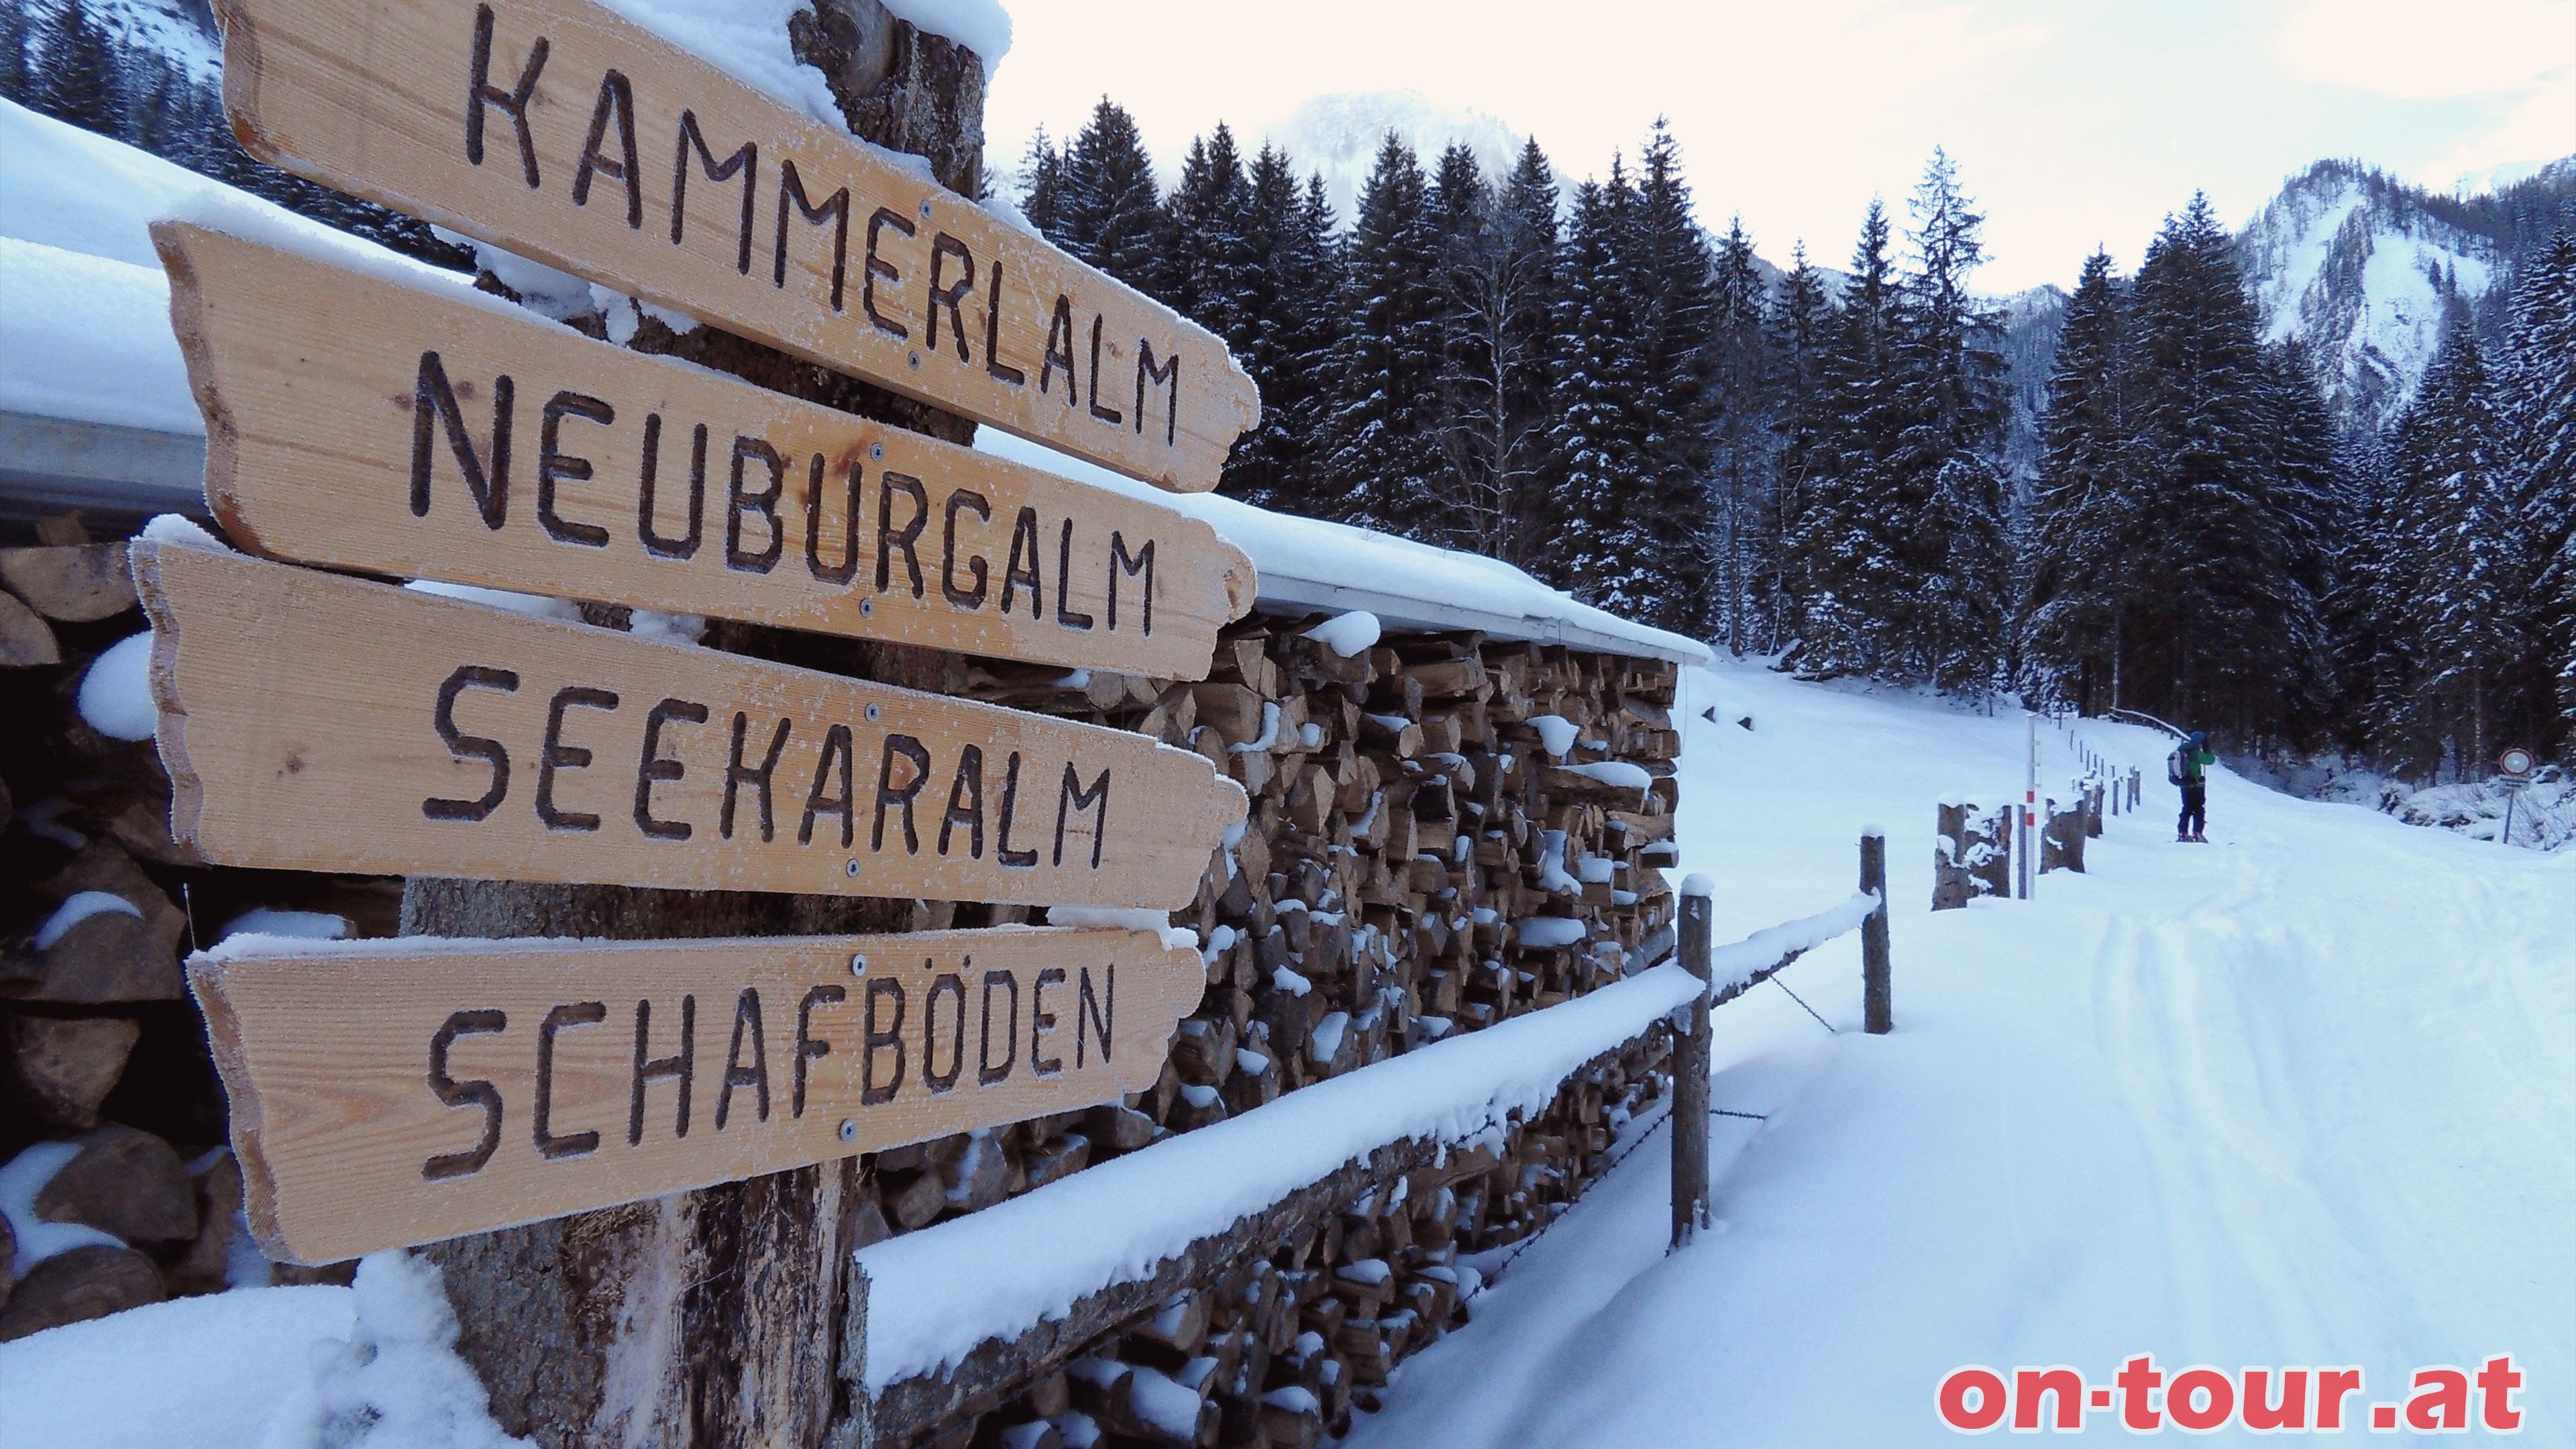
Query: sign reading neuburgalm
x=562, y=132
x=400, y=1092
x=439, y=433
x=315, y=722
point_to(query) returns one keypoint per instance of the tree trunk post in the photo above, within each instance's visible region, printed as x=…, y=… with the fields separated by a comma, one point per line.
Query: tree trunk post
x=1690, y=1072
x=733, y=1316
x=1877, y=1009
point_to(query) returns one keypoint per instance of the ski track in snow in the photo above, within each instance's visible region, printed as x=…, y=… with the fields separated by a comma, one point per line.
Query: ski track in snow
x=2295, y=1097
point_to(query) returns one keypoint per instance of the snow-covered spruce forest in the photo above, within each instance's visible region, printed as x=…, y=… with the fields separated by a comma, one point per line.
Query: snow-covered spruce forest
x=1834, y=465
x=2223, y=487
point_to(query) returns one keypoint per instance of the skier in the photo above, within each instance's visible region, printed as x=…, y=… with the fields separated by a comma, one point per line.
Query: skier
x=2187, y=767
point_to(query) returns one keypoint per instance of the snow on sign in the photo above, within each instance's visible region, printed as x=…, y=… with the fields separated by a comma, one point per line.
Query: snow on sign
x=315, y=722
x=396, y=1092
x=561, y=131
x=519, y=454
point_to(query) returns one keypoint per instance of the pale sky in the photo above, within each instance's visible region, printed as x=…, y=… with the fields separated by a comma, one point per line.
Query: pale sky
x=2073, y=121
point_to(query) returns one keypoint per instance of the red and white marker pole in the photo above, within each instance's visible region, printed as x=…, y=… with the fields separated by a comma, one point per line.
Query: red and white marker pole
x=2030, y=815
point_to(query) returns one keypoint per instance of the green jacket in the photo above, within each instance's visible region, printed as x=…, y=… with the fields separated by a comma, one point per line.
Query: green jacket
x=2195, y=763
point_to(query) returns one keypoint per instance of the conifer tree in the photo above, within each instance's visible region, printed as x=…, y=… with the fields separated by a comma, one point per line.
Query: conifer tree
x=17, y=53
x=2375, y=663
x=1497, y=277
x=1842, y=551
x=2535, y=406
x=1204, y=270
x=1521, y=292
x=1942, y=474
x=2465, y=607
x=1313, y=291
x=1666, y=578
x=1383, y=433
x=1042, y=186
x=80, y=76
x=1800, y=319
x=1111, y=215
x=2082, y=587
x=1743, y=444
x=1597, y=438
x=2236, y=637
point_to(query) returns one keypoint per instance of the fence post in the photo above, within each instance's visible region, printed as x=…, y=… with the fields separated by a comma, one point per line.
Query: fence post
x=1878, y=1012
x=1690, y=1071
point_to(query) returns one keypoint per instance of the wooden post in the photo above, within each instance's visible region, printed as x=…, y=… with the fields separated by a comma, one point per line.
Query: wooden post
x=717, y=1318
x=1876, y=1009
x=1690, y=1072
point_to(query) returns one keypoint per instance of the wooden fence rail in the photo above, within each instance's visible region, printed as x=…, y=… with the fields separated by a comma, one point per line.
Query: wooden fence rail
x=1775, y=947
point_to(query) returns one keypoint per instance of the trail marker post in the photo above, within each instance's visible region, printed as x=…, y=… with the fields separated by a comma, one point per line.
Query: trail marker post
x=1877, y=1010
x=1690, y=1071
x=2030, y=812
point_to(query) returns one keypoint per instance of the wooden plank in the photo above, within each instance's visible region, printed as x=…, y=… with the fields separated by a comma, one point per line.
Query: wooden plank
x=392, y=1093
x=341, y=410
x=565, y=133
x=315, y=722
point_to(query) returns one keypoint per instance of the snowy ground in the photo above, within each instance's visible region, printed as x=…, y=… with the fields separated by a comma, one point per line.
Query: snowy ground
x=2542, y=815
x=2296, y=1097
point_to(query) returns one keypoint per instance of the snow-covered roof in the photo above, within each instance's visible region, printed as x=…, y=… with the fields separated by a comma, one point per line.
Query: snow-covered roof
x=85, y=339
x=1307, y=563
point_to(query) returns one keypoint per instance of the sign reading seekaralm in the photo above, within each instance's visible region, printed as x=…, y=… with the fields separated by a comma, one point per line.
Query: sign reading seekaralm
x=437, y=432
x=386, y=1093
x=315, y=722
x=560, y=131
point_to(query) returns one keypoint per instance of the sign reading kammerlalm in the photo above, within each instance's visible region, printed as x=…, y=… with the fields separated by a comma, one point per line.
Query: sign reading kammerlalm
x=387, y=1093
x=560, y=131
x=436, y=432
x=315, y=722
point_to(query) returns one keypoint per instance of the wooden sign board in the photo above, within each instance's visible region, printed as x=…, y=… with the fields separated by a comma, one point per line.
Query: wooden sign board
x=354, y=422
x=399, y=1092
x=315, y=722
x=562, y=132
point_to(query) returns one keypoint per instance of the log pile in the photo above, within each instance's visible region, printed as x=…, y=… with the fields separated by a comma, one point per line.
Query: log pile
x=102, y=1059
x=1278, y=1331
x=1417, y=863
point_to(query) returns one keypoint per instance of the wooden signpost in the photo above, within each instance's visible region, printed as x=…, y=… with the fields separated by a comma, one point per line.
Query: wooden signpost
x=315, y=722
x=444, y=433
x=392, y=1093
x=563, y=132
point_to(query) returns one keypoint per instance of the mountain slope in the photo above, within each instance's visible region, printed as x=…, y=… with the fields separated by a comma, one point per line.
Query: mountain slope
x=1339, y=135
x=2365, y=270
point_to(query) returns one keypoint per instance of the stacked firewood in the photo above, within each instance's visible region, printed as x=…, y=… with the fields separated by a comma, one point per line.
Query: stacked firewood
x=103, y=1066
x=1418, y=863
x=1284, y=1343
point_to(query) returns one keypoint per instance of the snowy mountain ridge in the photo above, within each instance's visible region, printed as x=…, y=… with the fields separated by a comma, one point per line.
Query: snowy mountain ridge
x=2345, y=260
x=2365, y=270
x=1339, y=136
